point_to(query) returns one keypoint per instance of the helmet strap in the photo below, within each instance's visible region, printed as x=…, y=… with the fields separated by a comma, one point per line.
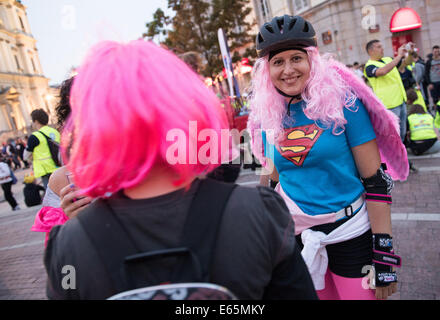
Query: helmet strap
x=297, y=96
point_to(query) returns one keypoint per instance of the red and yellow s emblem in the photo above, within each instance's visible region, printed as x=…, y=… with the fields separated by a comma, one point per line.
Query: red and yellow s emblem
x=298, y=142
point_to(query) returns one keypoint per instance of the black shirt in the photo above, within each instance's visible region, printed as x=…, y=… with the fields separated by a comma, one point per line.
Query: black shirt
x=32, y=143
x=256, y=254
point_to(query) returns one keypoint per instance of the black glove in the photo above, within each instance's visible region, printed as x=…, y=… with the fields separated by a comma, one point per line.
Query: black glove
x=384, y=260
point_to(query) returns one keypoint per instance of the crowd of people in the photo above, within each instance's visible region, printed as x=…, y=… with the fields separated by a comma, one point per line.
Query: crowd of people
x=407, y=85
x=130, y=207
x=37, y=151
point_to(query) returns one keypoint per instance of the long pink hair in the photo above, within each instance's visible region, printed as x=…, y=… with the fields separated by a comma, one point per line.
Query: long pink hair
x=325, y=95
x=125, y=99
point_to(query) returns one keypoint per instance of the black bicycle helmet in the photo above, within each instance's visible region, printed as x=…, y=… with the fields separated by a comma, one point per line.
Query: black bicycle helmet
x=283, y=33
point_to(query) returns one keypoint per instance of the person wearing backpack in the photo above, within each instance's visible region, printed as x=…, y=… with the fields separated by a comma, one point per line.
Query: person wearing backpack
x=161, y=207
x=38, y=146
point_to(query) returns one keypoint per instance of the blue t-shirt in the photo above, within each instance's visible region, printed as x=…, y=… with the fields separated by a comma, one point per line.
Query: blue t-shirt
x=316, y=167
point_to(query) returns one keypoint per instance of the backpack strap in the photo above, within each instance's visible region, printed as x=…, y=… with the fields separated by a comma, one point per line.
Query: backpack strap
x=109, y=240
x=47, y=138
x=203, y=221
x=199, y=234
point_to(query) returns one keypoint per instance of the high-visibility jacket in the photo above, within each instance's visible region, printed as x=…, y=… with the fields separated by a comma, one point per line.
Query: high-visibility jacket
x=420, y=100
x=437, y=116
x=42, y=159
x=421, y=126
x=388, y=88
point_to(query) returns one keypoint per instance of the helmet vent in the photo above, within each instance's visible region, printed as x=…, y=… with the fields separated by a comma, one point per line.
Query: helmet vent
x=291, y=24
x=280, y=23
x=269, y=28
x=306, y=27
x=260, y=38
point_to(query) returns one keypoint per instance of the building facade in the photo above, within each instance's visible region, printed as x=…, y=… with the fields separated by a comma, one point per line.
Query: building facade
x=344, y=27
x=23, y=87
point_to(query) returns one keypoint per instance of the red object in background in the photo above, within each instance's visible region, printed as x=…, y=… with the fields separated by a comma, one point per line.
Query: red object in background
x=235, y=121
x=405, y=19
x=224, y=74
x=240, y=122
x=398, y=41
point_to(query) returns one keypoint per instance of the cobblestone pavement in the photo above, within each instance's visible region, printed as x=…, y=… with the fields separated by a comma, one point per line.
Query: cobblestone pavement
x=416, y=230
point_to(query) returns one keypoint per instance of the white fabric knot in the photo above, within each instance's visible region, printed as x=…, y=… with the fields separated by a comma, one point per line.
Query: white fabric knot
x=314, y=252
x=315, y=256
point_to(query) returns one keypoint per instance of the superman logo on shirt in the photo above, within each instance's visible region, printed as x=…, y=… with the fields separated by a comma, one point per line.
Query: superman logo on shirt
x=298, y=142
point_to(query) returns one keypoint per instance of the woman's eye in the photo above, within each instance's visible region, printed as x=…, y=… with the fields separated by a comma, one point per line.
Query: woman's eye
x=278, y=62
x=296, y=58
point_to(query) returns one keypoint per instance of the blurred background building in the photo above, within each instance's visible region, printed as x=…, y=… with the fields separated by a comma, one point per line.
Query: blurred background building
x=344, y=27
x=23, y=87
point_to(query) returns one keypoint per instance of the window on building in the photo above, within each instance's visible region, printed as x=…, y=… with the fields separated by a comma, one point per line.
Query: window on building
x=300, y=5
x=18, y=63
x=265, y=10
x=33, y=65
x=22, y=24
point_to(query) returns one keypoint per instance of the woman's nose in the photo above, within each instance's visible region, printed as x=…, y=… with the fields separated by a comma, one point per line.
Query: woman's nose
x=290, y=68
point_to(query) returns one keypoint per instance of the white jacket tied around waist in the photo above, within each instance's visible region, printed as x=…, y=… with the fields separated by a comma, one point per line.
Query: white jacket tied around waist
x=314, y=252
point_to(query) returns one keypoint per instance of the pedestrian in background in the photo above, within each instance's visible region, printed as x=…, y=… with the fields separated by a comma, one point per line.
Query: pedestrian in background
x=61, y=200
x=7, y=179
x=37, y=146
x=358, y=70
x=12, y=153
x=383, y=75
x=419, y=76
x=432, y=74
x=20, y=146
x=31, y=191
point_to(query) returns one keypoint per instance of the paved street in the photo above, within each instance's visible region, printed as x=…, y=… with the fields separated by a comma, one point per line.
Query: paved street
x=416, y=228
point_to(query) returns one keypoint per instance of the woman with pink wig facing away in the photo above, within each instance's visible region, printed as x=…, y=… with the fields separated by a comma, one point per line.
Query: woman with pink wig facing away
x=324, y=133
x=144, y=132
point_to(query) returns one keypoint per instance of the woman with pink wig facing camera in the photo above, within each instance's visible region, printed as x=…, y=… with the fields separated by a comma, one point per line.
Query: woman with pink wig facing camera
x=322, y=130
x=143, y=133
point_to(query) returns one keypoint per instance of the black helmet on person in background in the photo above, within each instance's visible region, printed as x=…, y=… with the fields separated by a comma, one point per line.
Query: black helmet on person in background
x=285, y=32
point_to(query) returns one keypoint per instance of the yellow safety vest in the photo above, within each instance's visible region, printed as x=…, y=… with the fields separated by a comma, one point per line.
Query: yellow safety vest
x=421, y=126
x=42, y=159
x=420, y=100
x=388, y=88
x=437, y=116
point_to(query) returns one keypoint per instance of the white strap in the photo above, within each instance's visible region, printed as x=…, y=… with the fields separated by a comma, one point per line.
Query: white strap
x=351, y=209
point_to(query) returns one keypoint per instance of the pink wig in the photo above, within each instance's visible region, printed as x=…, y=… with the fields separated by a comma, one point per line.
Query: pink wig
x=325, y=95
x=125, y=99
x=330, y=88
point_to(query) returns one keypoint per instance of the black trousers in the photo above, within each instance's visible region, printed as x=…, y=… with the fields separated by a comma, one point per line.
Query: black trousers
x=8, y=194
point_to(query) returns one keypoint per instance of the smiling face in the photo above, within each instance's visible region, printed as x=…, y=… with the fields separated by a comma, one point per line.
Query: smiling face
x=289, y=71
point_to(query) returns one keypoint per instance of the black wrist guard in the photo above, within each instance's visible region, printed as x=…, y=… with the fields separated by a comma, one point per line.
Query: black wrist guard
x=378, y=187
x=384, y=260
